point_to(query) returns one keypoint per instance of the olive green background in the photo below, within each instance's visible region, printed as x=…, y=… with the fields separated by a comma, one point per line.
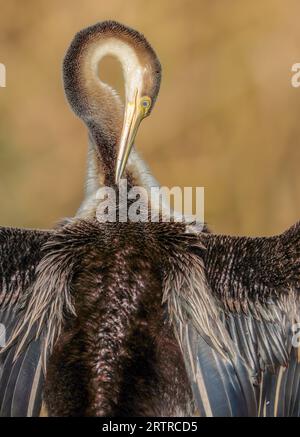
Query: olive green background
x=227, y=117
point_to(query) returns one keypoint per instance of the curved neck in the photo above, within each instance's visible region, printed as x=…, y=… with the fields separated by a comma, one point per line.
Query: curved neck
x=126, y=55
x=95, y=102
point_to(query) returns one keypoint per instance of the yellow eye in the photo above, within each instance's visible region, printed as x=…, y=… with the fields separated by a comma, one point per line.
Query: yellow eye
x=145, y=103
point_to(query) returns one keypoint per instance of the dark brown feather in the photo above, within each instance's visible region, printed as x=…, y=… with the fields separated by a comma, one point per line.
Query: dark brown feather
x=118, y=356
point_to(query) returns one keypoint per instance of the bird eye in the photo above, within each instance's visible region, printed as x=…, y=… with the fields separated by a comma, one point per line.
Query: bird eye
x=146, y=103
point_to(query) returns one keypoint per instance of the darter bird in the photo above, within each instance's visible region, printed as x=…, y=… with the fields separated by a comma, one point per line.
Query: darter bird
x=142, y=318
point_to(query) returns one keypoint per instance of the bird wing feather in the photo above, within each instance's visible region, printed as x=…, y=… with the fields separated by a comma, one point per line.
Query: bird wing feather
x=21, y=377
x=235, y=324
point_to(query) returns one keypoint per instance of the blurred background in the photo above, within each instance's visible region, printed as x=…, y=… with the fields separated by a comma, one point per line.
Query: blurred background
x=227, y=117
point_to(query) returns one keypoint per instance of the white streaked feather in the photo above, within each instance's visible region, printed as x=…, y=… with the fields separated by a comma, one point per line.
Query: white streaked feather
x=49, y=300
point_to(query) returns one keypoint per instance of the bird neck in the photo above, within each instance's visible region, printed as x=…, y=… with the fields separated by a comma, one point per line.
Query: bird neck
x=94, y=101
x=99, y=106
x=137, y=174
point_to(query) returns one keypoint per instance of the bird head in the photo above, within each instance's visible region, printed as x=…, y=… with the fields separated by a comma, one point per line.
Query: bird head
x=113, y=130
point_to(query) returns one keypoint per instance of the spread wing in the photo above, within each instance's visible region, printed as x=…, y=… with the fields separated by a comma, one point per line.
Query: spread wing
x=236, y=310
x=20, y=379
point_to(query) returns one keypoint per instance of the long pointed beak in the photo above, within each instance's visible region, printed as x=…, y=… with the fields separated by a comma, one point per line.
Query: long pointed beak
x=132, y=118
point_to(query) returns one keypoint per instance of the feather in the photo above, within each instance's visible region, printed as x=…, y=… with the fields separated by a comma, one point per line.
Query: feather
x=240, y=300
x=20, y=253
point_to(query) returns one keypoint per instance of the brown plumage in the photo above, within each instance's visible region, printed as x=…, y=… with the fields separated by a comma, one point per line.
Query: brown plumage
x=142, y=318
x=118, y=356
